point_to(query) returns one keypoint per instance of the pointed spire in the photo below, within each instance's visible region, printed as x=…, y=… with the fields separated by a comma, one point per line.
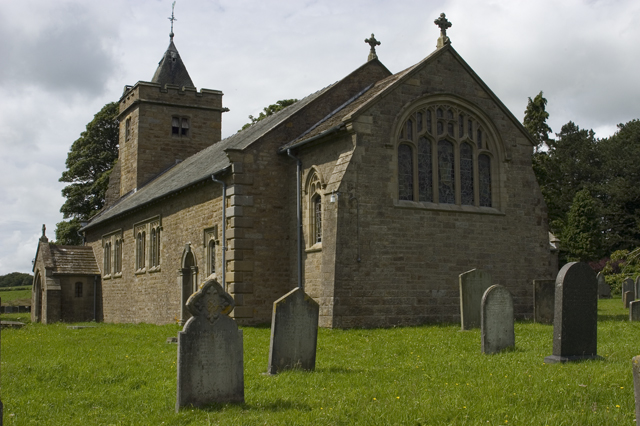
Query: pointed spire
x=171, y=69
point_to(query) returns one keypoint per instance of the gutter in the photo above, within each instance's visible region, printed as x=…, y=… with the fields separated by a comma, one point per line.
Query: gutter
x=224, y=230
x=299, y=216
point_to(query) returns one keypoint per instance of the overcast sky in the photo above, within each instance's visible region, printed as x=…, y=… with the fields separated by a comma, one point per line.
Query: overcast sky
x=64, y=60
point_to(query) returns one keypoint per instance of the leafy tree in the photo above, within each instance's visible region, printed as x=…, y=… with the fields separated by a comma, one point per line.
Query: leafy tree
x=15, y=279
x=535, y=120
x=270, y=110
x=89, y=164
x=582, y=236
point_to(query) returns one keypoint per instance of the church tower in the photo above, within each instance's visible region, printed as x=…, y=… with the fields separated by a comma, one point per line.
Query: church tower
x=164, y=121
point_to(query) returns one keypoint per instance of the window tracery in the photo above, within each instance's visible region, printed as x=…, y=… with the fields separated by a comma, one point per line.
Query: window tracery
x=314, y=190
x=452, y=157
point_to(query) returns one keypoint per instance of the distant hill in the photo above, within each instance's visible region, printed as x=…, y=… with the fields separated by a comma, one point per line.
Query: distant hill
x=15, y=279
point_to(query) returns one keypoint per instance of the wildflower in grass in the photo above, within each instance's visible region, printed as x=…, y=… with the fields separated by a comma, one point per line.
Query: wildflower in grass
x=397, y=397
x=617, y=406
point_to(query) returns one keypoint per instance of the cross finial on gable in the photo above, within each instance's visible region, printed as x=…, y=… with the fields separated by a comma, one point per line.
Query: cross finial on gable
x=172, y=18
x=373, y=43
x=443, y=23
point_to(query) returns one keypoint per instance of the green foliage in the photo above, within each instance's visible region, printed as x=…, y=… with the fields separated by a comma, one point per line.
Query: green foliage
x=535, y=120
x=67, y=232
x=622, y=264
x=582, y=235
x=429, y=375
x=16, y=279
x=89, y=164
x=270, y=110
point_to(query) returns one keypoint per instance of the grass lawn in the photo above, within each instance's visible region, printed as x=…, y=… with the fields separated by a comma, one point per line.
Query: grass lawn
x=16, y=295
x=429, y=375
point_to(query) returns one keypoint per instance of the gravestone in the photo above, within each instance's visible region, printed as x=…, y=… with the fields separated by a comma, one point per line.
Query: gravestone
x=627, y=298
x=628, y=285
x=496, y=320
x=635, y=366
x=473, y=284
x=294, y=332
x=636, y=288
x=575, y=322
x=634, y=310
x=604, y=291
x=210, y=354
x=544, y=293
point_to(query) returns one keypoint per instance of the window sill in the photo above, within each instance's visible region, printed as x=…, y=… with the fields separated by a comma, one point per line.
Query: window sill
x=106, y=277
x=141, y=271
x=421, y=205
x=118, y=275
x=154, y=269
x=314, y=248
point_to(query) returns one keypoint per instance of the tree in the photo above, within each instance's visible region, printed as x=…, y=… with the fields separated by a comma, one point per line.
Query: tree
x=270, y=110
x=89, y=164
x=15, y=279
x=535, y=120
x=581, y=238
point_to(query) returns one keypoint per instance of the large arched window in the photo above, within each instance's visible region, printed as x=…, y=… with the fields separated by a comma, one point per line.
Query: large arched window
x=444, y=154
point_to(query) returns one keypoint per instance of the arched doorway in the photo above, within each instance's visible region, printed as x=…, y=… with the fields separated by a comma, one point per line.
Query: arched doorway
x=188, y=280
x=36, y=307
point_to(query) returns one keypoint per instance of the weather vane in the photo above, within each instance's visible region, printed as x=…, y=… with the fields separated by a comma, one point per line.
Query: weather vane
x=172, y=19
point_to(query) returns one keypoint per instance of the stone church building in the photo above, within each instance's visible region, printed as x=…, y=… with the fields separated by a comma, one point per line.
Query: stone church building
x=406, y=180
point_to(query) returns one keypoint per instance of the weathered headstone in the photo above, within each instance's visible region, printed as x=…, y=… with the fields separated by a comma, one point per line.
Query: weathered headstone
x=544, y=293
x=604, y=291
x=575, y=323
x=634, y=310
x=627, y=298
x=635, y=366
x=473, y=284
x=628, y=285
x=636, y=288
x=210, y=354
x=294, y=332
x=496, y=320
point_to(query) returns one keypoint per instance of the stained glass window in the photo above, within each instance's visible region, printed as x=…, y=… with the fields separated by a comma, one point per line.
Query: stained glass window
x=466, y=174
x=409, y=129
x=419, y=122
x=450, y=114
x=450, y=129
x=425, y=174
x=429, y=120
x=439, y=113
x=470, y=129
x=317, y=203
x=484, y=174
x=446, y=173
x=479, y=139
x=405, y=172
x=460, y=126
x=440, y=127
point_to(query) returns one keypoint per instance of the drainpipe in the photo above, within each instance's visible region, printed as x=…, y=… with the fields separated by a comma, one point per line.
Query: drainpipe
x=299, y=214
x=95, y=298
x=224, y=230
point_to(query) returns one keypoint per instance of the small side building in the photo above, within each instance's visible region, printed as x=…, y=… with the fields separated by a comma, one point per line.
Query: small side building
x=66, y=284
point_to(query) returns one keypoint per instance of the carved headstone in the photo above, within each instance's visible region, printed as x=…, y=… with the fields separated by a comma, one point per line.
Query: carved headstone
x=634, y=310
x=575, y=323
x=604, y=291
x=210, y=354
x=635, y=366
x=496, y=320
x=628, y=285
x=473, y=284
x=294, y=332
x=627, y=298
x=544, y=293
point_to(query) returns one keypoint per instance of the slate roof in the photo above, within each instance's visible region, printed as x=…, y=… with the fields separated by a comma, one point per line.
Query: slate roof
x=171, y=69
x=200, y=166
x=73, y=260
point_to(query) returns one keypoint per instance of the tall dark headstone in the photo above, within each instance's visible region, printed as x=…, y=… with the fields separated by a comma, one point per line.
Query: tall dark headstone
x=634, y=310
x=544, y=293
x=628, y=285
x=294, y=332
x=473, y=284
x=575, y=323
x=496, y=320
x=210, y=354
x=636, y=288
x=604, y=291
x=627, y=298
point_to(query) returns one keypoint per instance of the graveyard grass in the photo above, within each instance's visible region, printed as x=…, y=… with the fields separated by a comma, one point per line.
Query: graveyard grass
x=428, y=375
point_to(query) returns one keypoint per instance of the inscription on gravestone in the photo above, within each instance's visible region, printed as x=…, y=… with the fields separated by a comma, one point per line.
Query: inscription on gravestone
x=575, y=323
x=544, y=293
x=634, y=310
x=628, y=285
x=473, y=284
x=294, y=332
x=496, y=329
x=604, y=291
x=210, y=350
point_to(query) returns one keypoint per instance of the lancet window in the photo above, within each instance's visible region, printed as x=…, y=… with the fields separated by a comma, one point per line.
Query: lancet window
x=444, y=156
x=314, y=210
